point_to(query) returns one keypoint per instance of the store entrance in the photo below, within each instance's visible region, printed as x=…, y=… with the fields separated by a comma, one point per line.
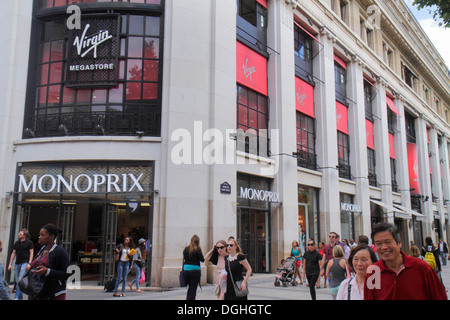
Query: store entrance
x=89, y=231
x=253, y=237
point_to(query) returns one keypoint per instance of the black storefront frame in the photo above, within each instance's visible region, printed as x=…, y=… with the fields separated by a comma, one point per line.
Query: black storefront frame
x=17, y=203
x=77, y=121
x=249, y=206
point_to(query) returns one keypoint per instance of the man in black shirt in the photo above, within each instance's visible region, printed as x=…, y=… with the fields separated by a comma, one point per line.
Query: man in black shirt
x=23, y=253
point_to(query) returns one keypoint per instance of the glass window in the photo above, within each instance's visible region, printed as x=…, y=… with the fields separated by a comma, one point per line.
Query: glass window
x=306, y=150
x=139, y=77
x=252, y=119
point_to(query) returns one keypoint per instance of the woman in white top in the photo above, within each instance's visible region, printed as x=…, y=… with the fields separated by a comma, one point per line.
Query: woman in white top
x=361, y=257
x=217, y=256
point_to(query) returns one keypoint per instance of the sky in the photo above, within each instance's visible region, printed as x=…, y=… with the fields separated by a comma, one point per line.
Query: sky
x=439, y=36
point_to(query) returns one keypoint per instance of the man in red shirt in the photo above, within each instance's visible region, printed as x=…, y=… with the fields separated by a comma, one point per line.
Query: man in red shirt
x=397, y=276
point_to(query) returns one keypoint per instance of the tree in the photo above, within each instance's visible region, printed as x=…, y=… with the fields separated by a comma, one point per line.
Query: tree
x=440, y=9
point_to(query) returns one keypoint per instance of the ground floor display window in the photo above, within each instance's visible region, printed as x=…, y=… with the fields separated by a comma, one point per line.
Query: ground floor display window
x=94, y=205
x=253, y=220
x=348, y=210
x=308, y=216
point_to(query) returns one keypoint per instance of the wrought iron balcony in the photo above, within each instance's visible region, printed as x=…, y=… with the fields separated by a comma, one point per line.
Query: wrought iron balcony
x=107, y=123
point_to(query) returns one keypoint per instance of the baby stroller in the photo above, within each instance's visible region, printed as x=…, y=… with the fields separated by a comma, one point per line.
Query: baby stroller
x=285, y=275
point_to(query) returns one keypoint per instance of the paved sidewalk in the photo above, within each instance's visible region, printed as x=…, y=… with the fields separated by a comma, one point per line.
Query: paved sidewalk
x=261, y=287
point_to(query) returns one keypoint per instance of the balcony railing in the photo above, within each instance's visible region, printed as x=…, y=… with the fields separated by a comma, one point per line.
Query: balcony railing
x=306, y=159
x=345, y=170
x=77, y=124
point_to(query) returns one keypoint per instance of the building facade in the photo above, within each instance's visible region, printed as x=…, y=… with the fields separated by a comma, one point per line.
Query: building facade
x=272, y=121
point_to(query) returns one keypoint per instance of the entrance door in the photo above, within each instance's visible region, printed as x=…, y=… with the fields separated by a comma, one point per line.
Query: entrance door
x=67, y=221
x=253, y=237
x=110, y=238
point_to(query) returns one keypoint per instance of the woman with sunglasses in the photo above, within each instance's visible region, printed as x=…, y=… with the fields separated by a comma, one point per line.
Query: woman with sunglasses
x=311, y=267
x=235, y=263
x=217, y=257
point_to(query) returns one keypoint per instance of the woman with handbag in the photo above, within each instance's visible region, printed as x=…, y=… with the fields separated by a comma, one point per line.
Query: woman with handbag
x=235, y=263
x=137, y=264
x=51, y=262
x=192, y=256
x=124, y=253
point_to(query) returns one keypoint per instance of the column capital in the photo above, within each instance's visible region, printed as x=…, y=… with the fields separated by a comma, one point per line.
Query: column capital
x=326, y=32
x=294, y=3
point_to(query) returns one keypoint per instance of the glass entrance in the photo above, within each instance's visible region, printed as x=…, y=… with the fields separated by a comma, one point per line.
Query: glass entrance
x=94, y=206
x=253, y=237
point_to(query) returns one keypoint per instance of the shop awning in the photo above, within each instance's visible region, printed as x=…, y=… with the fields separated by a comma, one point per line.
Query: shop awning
x=409, y=211
x=392, y=106
x=391, y=209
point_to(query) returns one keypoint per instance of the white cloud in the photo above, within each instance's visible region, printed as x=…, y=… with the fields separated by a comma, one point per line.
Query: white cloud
x=439, y=36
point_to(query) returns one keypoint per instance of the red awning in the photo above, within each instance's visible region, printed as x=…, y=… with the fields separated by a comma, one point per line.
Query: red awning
x=304, y=97
x=391, y=146
x=307, y=32
x=341, y=117
x=391, y=105
x=262, y=2
x=413, y=167
x=251, y=69
x=340, y=62
x=369, y=134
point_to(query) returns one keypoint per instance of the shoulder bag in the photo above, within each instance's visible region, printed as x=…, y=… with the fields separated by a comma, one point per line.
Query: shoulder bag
x=32, y=284
x=237, y=285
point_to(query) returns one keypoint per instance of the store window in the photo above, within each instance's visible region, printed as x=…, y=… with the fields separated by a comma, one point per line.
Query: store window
x=306, y=149
x=348, y=211
x=252, y=121
x=308, y=216
x=128, y=105
x=251, y=23
x=94, y=205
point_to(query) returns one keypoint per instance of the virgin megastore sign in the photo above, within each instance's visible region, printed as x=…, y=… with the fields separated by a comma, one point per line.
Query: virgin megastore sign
x=93, y=52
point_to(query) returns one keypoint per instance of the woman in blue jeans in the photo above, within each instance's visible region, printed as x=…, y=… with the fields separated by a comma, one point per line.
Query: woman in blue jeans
x=123, y=265
x=192, y=256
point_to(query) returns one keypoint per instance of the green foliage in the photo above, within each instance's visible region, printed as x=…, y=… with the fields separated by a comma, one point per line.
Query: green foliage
x=439, y=8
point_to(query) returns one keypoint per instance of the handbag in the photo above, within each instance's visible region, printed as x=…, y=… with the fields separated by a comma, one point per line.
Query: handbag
x=142, y=279
x=181, y=276
x=32, y=284
x=237, y=285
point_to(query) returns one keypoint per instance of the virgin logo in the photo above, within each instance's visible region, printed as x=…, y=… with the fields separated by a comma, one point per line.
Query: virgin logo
x=90, y=43
x=248, y=71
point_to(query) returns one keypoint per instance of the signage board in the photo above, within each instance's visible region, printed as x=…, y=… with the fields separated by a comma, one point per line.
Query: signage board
x=93, y=52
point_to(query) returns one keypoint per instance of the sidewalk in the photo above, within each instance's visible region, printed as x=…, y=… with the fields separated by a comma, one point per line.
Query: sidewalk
x=261, y=287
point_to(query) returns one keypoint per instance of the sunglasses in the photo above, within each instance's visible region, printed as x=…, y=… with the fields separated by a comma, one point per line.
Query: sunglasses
x=230, y=245
x=222, y=247
x=310, y=244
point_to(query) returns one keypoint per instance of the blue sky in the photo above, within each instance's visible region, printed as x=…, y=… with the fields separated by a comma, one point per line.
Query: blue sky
x=439, y=36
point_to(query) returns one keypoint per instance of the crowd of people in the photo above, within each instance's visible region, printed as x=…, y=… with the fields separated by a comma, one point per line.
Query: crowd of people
x=353, y=271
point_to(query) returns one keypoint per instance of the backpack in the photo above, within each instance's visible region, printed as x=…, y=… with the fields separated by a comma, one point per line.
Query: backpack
x=430, y=258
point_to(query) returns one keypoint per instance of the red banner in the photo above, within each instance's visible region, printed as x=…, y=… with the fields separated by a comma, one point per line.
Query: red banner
x=413, y=167
x=369, y=134
x=304, y=97
x=391, y=146
x=251, y=69
x=341, y=118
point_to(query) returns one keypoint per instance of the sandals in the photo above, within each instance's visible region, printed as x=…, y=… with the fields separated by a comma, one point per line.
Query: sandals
x=115, y=294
